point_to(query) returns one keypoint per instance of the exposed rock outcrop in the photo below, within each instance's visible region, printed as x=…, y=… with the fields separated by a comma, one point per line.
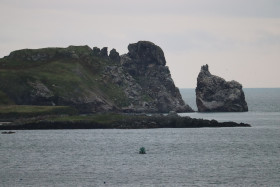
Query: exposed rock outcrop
x=114, y=55
x=145, y=53
x=145, y=63
x=91, y=80
x=214, y=94
x=104, y=52
x=96, y=51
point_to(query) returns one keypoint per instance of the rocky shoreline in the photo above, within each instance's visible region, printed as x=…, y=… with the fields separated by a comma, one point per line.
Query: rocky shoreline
x=115, y=121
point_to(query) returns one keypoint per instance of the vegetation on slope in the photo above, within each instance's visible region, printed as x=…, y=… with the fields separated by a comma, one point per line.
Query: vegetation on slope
x=72, y=73
x=12, y=112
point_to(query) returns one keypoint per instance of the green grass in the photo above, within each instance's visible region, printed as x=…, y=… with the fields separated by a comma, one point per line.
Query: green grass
x=25, y=111
x=115, y=94
x=64, y=77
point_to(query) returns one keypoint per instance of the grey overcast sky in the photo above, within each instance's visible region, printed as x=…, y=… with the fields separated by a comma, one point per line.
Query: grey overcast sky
x=238, y=39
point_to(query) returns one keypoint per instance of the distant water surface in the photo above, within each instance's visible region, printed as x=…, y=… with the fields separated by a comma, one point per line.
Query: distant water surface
x=175, y=157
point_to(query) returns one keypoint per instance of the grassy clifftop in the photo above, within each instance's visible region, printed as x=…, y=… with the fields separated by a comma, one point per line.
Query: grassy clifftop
x=56, y=76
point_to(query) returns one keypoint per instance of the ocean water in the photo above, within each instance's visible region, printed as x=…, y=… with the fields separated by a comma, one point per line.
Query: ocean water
x=175, y=157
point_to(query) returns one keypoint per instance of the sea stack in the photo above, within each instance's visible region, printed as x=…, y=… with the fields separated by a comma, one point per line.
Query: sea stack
x=214, y=94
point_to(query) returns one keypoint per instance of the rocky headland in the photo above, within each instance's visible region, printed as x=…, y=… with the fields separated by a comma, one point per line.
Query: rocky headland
x=214, y=94
x=91, y=80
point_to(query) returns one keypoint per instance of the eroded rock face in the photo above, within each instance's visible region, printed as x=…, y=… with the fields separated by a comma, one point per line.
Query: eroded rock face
x=153, y=85
x=214, y=94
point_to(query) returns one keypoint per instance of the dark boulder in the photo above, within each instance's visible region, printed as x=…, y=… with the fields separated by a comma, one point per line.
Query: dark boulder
x=214, y=94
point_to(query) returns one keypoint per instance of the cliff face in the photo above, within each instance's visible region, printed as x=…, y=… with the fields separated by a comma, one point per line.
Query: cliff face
x=145, y=63
x=91, y=80
x=214, y=94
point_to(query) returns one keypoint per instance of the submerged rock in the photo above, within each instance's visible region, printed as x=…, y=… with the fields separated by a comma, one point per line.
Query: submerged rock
x=214, y=94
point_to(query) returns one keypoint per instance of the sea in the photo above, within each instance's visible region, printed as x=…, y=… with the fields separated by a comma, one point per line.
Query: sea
x=174, y=157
